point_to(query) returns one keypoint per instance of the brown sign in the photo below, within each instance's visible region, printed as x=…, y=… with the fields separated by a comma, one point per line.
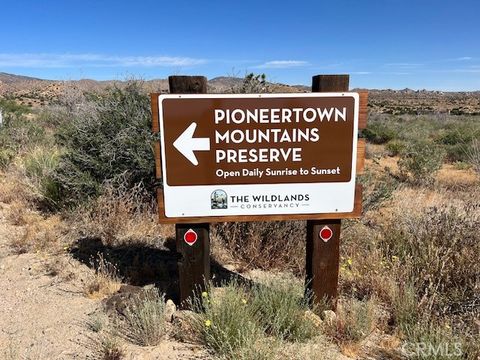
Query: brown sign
x=250, y=138
x=232, y=144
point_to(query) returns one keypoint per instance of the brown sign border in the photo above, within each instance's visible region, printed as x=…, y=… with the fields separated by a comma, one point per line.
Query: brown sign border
x=356, y=213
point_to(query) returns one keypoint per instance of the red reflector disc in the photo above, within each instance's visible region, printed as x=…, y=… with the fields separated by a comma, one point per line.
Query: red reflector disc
x=190, y=237
x=325, y=233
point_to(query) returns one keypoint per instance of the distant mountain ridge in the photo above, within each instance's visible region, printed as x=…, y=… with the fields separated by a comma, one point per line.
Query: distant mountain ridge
x=38, y=92
x=10, y=78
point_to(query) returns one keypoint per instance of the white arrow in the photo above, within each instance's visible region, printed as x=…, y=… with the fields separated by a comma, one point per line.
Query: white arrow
x=187, y=144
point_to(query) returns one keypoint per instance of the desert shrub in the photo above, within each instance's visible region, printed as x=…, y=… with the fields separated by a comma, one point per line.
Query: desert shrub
x=17, y=134
x=427, y=339
x=376, y=189
x=40, y=164
x=225, y=322
x=455, y=153
x=379, y=132
x=264, y=245
x=458, y=133
x=143, y=319
x=436, y=247
x=355, y=320
x=109, y=141
x=473, y=155
x=395, y=147
x=281, y=306
x=420, y=161
x=107, y=347
x=54, y=117
x=121, y=215
x=11, y=109
x=6, y=157
x=252, y=84
x=96, y=323
x=405, y=305
x=455, y=137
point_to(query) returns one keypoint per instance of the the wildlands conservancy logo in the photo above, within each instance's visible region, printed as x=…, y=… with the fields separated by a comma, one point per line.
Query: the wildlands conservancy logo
x=269, y=201
x=219, y=200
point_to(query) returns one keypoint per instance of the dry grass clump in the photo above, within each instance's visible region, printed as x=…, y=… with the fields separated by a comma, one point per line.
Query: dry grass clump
x=453, y=178
x=108, y=347
x=143, y=320
x=19, y=213
x=417, y=256
x=105, y=281
x=13, y=189
x=354, y=321
x=120, y=216
x=38, y=233
x=432, y=340
x=276, y=245
x=364, y=271
x=436, y=247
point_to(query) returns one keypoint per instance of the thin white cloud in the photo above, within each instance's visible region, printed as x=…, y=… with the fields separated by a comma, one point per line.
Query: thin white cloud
x=464, y=58
x=404, y=65
x=43, y=60
x=282, y=64
x=361, y=72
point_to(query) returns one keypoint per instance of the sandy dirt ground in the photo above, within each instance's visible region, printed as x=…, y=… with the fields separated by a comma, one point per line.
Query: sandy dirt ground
x=45, y=315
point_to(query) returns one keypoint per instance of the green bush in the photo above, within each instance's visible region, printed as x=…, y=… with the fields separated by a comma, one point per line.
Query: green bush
x=6, y=157
x=405, y=305
x=395, y=147
x=144, y=318
x=17, y=134
x=109, y=141
x=420, y=161
x=379, y=133
x=376, y=189
x=40, y=164
x=457, y=137
x=281, y=308
x=225, y=322
x=10, y=109
x=458, y=133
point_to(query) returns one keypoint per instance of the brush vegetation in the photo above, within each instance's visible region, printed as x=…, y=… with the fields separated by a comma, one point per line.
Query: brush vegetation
x=83, y=169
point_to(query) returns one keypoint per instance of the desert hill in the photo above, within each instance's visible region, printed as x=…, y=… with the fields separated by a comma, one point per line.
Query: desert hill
x=38, y=92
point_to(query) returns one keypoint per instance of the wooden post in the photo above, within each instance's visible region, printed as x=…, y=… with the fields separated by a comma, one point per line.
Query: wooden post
x=323, y=257
x=194, y=260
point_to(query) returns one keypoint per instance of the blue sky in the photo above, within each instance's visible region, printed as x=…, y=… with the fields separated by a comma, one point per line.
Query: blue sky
x=380, y=43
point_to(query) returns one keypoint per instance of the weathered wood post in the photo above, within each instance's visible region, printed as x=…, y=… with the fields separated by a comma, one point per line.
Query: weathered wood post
x=194, y=259
x=323, y=257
